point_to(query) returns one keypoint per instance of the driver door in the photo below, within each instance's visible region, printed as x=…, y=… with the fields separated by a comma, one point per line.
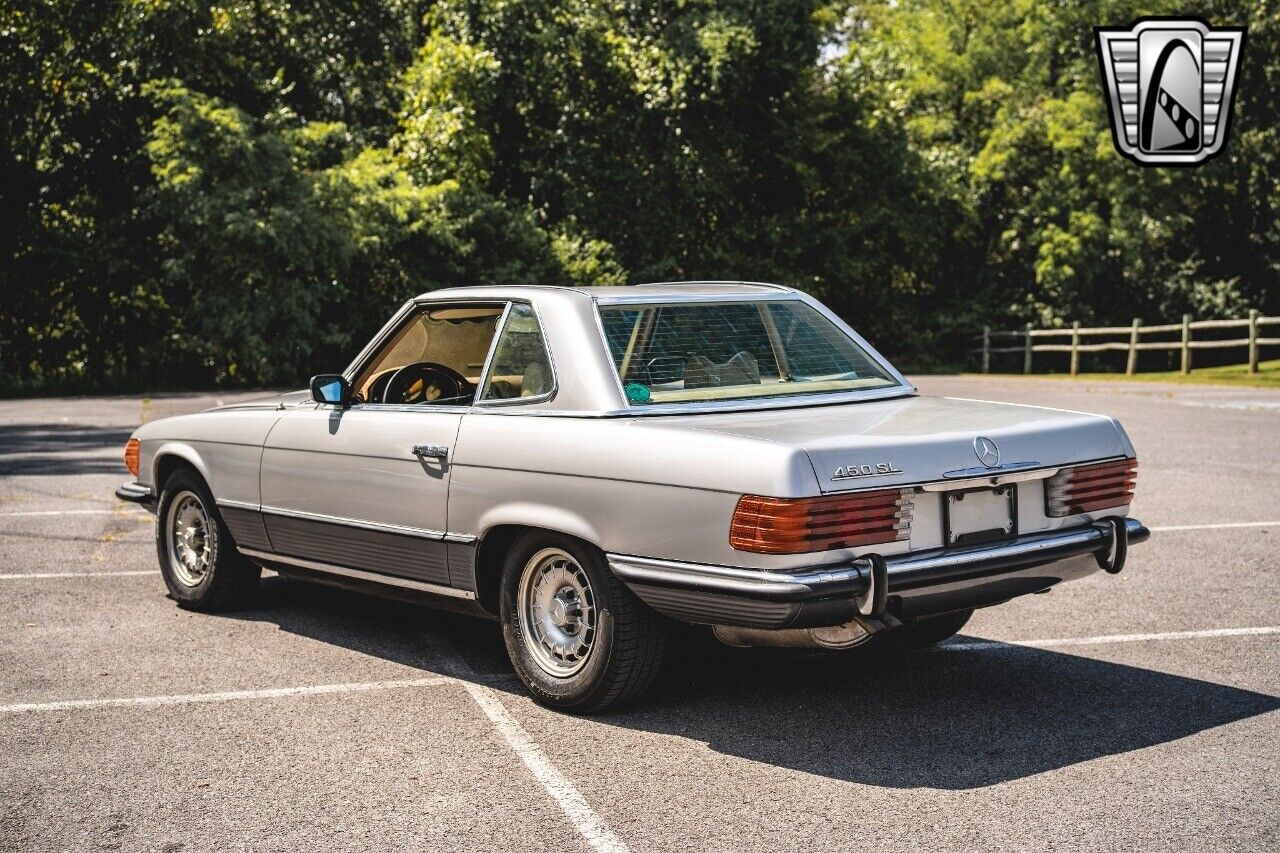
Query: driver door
x=367, y=487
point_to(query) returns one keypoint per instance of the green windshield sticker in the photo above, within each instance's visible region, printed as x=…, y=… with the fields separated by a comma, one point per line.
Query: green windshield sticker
x=637, y=393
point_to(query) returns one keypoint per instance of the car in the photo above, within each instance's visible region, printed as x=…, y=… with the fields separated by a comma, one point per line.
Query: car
x=591, y=466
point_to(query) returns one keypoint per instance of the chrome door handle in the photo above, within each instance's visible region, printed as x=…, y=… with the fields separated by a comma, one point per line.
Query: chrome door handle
x=431, y=451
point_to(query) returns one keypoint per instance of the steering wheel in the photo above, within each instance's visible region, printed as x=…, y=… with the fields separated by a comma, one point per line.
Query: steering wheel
x=426, y=382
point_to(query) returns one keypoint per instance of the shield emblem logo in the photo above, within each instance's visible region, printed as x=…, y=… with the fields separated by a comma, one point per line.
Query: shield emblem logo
x=1170, y=84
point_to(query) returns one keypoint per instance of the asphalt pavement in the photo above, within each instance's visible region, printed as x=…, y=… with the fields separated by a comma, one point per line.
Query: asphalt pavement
x=1129, y=712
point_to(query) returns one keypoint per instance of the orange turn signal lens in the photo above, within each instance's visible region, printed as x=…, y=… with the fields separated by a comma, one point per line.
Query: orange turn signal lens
x=797, y=525
x=131, y=451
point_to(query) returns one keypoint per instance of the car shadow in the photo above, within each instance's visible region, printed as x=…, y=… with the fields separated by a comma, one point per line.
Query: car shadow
x=941, y=719
x=45, y=449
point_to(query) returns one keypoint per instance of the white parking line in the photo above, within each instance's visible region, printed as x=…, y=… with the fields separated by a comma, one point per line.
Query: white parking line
x=31, y=513
x=1222, y=526
x=224, y=696
x=37, y=575
x=581, y=815
x=971, y=645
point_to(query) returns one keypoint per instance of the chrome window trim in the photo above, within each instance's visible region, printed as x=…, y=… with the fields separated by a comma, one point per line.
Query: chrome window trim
x=360, y=574
x=493, y=349
x=394, y=324
x=857, y=338
x=782, y=295
x=745, y=404
x=388, y=329
x=722, y=283
x=478, y=403
x=753, y=404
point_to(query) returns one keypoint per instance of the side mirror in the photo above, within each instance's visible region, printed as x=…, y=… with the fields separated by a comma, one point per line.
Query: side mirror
x=331, y=388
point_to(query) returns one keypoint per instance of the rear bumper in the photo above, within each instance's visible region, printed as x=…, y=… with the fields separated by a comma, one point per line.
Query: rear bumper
x=919, y=584
x=138, y=494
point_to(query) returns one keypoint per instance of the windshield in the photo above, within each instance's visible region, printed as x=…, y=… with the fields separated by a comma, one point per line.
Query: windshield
x=695, y=352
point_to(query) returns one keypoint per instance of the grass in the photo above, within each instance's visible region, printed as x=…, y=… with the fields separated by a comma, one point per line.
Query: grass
x=1268, y=376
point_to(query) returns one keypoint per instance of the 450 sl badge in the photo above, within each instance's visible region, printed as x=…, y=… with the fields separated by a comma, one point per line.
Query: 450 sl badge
x=849, y=472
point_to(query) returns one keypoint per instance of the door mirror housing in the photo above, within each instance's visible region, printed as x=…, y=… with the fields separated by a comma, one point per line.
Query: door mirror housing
x=332, y=389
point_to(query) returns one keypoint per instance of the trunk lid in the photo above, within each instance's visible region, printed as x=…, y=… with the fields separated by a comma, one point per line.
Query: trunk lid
x=920, y=439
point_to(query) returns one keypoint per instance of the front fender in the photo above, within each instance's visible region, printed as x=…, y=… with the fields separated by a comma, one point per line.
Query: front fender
x=180, y=450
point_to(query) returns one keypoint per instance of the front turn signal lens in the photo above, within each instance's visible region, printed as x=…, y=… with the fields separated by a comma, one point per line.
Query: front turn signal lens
x=797, y=525
x=131, y=450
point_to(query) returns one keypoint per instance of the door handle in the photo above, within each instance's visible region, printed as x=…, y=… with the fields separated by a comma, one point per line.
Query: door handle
x=431, y=451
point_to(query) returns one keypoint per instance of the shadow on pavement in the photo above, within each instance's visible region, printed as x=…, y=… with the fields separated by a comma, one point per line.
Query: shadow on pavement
x=61, y=449
x=938, y=719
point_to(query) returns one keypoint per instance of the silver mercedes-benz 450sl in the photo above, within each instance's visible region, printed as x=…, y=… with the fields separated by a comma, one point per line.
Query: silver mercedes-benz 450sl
x=585, y=465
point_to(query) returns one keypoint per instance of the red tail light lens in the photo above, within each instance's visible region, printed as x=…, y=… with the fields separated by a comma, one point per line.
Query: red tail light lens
x=796, y=525
x=1086, y=488
x=131, y=456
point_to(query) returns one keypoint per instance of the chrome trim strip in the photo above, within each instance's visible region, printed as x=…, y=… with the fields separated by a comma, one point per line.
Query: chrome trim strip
x=230, y=504
x=992, y=479
x=460, y=538
x=360, y=574
x=421, y=533
x=979, y=471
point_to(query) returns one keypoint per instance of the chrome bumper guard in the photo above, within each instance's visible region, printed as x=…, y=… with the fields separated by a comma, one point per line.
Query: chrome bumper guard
x=917, y=583
x=136, y=493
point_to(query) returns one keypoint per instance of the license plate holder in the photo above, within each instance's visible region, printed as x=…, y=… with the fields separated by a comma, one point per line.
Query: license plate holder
x=974, y=516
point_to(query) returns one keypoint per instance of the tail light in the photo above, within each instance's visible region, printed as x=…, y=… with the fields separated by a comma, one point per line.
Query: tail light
x=796, y=525
x=131, y=456
x=1086, y=488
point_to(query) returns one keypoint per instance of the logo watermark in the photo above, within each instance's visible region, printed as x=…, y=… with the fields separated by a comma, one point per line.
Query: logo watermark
x=1169, y=85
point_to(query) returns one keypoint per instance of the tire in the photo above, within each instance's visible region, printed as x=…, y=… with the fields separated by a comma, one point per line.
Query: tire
x=921, y=633
x=198, y=558
x=595, y=646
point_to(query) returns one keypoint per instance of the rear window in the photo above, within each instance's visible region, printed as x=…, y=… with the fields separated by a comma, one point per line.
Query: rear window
x=697, y=352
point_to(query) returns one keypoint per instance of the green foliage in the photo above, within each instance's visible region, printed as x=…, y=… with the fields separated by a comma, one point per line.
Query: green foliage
x=241, y=193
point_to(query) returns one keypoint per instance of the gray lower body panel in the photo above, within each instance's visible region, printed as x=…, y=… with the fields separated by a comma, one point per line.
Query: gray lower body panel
x=417, y=558
x=373, y=550
x=247, y=527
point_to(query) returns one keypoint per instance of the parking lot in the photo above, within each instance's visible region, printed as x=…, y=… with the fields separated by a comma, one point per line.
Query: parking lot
x=1133, y=712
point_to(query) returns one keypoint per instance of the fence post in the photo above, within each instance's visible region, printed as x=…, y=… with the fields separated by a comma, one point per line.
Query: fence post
x=986, y=349
x=1132, y=366
x=1186, y=344
x=1253, y=340
x=1026, y=350
x=1075, y=347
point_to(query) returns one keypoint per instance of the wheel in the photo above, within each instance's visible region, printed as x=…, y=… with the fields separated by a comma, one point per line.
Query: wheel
x=198, y=557
x=577, y=637
x=921, y=633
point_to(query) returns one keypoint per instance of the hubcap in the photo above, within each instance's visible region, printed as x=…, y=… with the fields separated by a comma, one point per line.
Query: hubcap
x=557, y=612
x=190, y=548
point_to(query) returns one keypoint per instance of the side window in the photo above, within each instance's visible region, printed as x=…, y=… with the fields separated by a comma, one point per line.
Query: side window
x=435, y=358
x=521, y=367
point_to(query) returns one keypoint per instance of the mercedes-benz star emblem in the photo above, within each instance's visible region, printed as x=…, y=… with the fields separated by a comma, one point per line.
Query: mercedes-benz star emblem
x=988, y=453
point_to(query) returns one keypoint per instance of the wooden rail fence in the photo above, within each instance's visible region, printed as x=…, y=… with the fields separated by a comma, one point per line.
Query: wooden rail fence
x=1134, y=344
